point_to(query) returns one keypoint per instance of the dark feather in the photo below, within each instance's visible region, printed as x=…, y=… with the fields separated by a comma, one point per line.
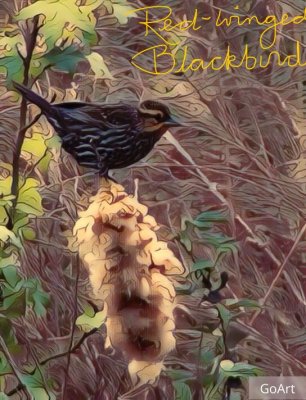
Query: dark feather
x=104, y=136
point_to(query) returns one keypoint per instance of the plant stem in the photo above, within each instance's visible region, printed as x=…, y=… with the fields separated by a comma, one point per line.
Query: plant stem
x=14, y=368
x=30, y=40
x=56, y=356
x=73, y=349
x=73, y=326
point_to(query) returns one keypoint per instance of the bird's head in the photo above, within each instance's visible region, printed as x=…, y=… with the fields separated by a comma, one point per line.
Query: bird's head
x=157, y=114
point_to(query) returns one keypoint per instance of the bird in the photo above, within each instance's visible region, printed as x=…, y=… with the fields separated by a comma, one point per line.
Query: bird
x=105, y=136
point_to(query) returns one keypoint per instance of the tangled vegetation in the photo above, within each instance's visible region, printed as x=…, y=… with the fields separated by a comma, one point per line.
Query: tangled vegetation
x=226, y=190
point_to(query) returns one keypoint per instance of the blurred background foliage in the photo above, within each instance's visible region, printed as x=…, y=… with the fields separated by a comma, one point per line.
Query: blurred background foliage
x=228, y=189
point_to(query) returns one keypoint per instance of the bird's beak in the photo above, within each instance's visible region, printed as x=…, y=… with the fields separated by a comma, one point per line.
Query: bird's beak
x=171, y=122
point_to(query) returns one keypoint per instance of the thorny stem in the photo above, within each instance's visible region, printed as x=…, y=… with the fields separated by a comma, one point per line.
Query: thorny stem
x=30, y=45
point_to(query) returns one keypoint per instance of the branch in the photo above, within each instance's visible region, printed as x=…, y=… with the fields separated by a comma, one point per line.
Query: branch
x=280, y=271
x=30, y=45
x=20, y=386
x=14, y=368
x=73, y=349
x=210, y=185
x=75, y=316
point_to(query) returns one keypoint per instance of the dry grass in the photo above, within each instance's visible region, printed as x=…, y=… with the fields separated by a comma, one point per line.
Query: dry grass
x=241, y=152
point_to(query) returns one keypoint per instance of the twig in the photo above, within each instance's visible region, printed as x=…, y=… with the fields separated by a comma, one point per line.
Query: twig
x=267, y=251
x=38, y=366
x=211, y=186
x=280, y=271
x=73, y=349
x=14, y=368
x=33, y=122
x=17, y=389
x=75, y=316
x=136, y=191
x=281, y=353
x=263, y=168
x=20, y=386
x=50, y=244
x=30, y=45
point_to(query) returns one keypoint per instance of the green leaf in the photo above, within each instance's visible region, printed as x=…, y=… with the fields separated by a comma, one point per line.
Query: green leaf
x=28, y=233
x=6, y=201
x=59, y=59
x=179, y=374
x=13, y=259
x=184, y=239
x=3, y=216
x=29, y=200
x=122, y=11
x=233, y=304
x=35, y=384
x=208, y=380
x=239, y=369
x=44, y=163
x=14, y=303
x=185, y=287
x=87, y=323
x=220, y=242
x=7, y=334
x=7, y=236
x=35, y=145
x=210, y=217
x=225, y=315
x=54, y=142
x=21, y=220
x=64, y=21
x=11, y=63
x=182, y=391
x=202, y=265
x=5, y=186
x=66, y=35
x=23, y=294
x=36, y=297
x=4, y=366
x=207, y=223
x=214, y=391
x=205, y=220
x=88, y=309
x=207, y=357
x=98, y=66
x=11, y=276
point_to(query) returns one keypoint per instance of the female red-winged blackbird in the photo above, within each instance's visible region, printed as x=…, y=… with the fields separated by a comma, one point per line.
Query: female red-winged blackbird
x=105, y=136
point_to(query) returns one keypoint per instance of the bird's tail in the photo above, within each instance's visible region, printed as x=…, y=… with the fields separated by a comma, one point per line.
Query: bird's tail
x=33, y=97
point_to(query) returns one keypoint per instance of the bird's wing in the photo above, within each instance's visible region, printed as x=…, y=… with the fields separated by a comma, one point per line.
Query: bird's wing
x=116, y=118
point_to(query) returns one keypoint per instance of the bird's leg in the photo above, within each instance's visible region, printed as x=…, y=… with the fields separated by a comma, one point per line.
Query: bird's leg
x=104, y=173
x=103, y=170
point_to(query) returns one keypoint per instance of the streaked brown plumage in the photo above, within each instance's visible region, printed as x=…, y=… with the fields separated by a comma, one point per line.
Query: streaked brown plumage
x=105, y=136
